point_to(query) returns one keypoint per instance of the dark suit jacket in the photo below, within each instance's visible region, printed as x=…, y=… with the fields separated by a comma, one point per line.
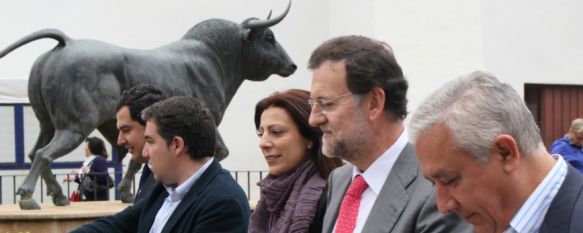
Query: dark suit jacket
x=147, y=181
x=405, y=204
x=98, y=174
x=565, y=214
x=215, y=203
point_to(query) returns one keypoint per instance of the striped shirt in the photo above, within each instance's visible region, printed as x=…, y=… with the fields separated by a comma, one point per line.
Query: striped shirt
x=531, y=214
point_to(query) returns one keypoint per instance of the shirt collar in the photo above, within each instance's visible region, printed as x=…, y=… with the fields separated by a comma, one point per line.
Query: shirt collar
x=379, y=170
x=531, y=214
x=177, y=193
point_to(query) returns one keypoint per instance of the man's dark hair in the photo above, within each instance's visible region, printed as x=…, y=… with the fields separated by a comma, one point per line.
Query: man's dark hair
x=369, y=64
x=138, y=98
x=185, y=117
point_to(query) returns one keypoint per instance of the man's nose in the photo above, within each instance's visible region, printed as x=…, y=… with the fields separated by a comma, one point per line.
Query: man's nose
x=317, y=117
x=146, y=151
x=445, y=201
x=121, y=140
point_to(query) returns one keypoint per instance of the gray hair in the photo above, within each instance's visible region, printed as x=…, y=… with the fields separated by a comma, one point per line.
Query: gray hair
x=476, y=108
x=577, y=125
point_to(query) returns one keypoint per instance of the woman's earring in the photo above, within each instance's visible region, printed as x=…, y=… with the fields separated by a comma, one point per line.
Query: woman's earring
x=310, y=144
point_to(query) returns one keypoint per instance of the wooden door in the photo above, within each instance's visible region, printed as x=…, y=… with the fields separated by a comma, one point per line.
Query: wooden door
x=554, y=107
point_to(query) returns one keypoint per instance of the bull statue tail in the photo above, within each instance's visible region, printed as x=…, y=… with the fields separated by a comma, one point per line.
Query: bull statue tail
x=45, y=33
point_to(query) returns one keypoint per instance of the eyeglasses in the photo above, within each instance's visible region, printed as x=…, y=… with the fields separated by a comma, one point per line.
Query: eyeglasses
x=326, y=104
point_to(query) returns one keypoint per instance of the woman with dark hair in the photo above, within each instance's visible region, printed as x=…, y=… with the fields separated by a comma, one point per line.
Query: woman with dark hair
x=292, y=196
x=92, y=177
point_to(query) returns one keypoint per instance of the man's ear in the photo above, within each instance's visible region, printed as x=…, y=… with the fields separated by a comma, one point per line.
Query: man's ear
x=177, y=145
x=376, y=104
x=505, y=150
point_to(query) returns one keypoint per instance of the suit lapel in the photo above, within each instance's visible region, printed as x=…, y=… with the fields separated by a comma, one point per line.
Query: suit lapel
x=191, y=196
x=393, y=197
x=558, y=217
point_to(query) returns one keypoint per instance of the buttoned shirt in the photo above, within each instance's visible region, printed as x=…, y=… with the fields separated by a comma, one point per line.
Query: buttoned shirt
x=375, y=176
x=175, y=195
x=531, y=214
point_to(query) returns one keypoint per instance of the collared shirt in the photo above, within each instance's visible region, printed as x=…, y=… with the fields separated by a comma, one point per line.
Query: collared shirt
x=531, y=214
x=175, y=195
x=375, y=176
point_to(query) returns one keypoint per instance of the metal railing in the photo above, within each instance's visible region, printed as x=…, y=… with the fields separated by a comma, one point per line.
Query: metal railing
x=10, y=183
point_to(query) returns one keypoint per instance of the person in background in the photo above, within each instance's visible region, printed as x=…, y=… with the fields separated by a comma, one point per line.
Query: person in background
x=359, y=102
x=131, y=128
x=292, y=196
x=94, y=168
x=194, y=193
x=478, y=143
x=570, y=146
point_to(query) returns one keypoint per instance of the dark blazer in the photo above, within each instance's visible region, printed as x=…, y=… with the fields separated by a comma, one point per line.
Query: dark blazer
x=147, y=181
x=98, y=174
x=405, y=204
x=566, y=211
x=215, y=203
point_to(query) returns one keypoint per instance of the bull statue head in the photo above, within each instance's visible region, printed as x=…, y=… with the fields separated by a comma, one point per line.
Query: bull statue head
x=263, y=48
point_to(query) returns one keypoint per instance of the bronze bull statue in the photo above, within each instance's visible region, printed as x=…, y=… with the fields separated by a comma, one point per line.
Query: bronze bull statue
x=74, y=88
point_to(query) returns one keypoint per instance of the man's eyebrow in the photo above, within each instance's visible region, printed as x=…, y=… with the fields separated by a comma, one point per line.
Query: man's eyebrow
x=440, y=174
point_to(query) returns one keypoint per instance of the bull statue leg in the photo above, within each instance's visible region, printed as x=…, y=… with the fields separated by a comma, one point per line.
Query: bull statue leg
x=46, y=134
x=62, y=142
x=126, y=183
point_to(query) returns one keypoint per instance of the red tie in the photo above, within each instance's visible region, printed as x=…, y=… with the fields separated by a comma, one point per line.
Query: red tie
x=350, y=204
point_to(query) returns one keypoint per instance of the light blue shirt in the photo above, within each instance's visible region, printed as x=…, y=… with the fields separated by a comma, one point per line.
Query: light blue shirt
x=531, y=214
x=174, y=198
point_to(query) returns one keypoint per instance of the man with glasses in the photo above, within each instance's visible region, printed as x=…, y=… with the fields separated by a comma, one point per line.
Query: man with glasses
x=358, y=99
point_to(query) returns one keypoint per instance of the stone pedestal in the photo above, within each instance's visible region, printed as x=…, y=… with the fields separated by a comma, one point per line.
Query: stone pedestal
x=55, y=218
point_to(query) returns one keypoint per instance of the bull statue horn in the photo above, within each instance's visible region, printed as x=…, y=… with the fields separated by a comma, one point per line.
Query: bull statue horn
x=253, y=23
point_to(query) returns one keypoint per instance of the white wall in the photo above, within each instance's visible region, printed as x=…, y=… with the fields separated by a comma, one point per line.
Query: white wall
x=434, y=41
x=534, y=41
x=520, y=41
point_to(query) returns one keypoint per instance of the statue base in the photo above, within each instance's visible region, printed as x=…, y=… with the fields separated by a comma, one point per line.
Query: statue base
x=53, y=218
